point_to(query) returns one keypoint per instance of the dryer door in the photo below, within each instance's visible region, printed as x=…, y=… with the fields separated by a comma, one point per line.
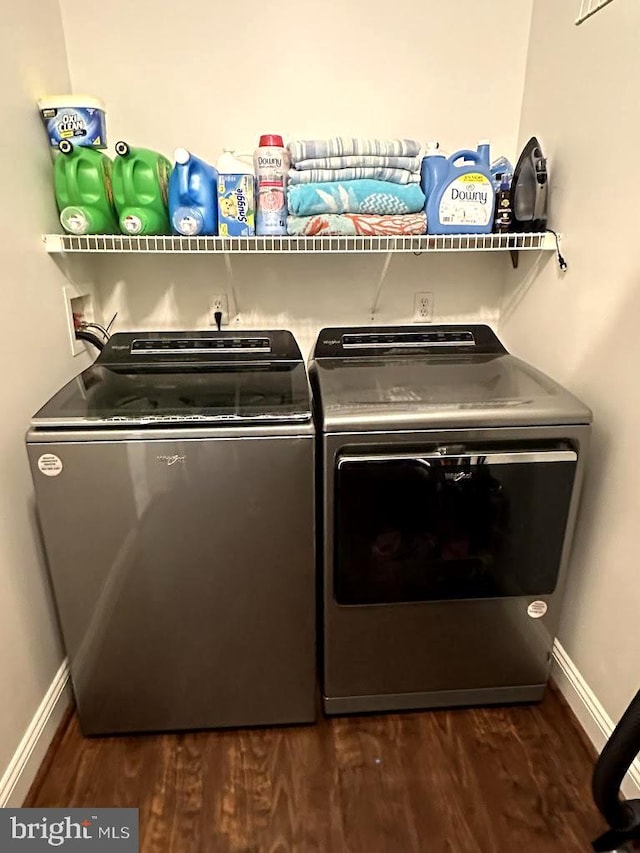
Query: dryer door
x=450, y=524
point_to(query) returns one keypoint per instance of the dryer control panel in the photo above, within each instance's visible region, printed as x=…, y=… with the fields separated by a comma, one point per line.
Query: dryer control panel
x=402, y=340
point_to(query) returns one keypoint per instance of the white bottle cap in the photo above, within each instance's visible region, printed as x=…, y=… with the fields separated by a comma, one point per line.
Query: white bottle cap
x=181, y=156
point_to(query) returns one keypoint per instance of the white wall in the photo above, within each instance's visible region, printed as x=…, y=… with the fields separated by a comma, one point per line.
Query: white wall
x=34, y=352
x=296, y=292
x=580, y=96
x=216, y=75
x=209, y=75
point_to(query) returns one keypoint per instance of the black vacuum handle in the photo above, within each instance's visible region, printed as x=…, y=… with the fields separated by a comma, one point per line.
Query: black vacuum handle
x=615, y=759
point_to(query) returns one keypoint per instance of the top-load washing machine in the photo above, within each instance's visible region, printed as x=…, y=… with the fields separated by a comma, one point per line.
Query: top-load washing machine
x=174, y=481
x=449, y=476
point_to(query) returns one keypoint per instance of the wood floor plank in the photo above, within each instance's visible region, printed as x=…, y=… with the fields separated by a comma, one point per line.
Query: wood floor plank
x=484, y=780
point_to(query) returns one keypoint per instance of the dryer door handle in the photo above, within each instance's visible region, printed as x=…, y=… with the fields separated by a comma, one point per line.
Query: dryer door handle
x=477, y=457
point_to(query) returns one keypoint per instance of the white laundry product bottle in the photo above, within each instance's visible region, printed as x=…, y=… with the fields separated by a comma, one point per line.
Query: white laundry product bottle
x=231, y=162
x=271, y=162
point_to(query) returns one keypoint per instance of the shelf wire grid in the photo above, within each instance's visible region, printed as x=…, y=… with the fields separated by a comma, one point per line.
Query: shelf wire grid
x=107, y=243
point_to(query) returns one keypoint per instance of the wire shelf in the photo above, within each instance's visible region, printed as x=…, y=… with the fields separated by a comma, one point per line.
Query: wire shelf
x=589, y=8
x=56, y=243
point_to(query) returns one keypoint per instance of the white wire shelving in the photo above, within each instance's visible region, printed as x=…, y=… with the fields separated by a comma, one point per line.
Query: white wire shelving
x=106, y=243
x=589, y=8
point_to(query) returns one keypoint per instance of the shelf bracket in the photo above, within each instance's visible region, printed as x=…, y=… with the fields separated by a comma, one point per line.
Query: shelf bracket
x=231, y=283
x=515, y=258
x=53, y=243
x=383, y=275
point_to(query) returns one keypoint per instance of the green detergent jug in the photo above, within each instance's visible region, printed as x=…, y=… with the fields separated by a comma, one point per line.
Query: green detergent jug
x=140, y=180
x=82, y=184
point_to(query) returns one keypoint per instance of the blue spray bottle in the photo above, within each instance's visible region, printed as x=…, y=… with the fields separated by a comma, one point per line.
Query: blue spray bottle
x=433, y=170
x=193, y=199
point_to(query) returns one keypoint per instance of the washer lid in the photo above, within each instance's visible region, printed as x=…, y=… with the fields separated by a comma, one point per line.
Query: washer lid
x=439, y=391
x=186, y=378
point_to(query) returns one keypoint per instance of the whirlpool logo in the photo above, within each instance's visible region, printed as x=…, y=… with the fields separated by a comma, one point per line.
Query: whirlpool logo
x=457, y=476
x=172, y=460
x=70, y=829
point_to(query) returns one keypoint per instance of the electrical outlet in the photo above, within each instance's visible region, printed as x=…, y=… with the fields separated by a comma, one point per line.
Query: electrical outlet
x=423, y=308
x=78, y=306
x=220, y=302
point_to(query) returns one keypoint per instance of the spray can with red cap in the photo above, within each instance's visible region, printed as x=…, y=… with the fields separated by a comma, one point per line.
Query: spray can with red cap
x=271, y=161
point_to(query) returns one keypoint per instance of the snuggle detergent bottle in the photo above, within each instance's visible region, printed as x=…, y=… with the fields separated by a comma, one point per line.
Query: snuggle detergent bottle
x=140, y=179
x=193, y=197
x=462, y=199
x=82, y=184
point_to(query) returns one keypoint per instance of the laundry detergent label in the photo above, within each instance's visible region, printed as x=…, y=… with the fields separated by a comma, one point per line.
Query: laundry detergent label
x=467, y=201
x=80, y=125
x=271, y=216
x=50, y=465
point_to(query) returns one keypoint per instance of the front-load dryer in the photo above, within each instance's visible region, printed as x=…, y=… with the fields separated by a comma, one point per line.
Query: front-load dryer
x=449, y=480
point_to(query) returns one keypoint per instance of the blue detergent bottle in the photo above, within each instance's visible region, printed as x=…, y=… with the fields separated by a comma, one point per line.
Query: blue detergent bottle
x=193, y=198
x=461, y=199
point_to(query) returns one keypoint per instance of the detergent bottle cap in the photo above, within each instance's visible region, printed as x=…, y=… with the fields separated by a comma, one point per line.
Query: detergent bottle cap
x=181, y=156
x=433, y=150
x=271, y=140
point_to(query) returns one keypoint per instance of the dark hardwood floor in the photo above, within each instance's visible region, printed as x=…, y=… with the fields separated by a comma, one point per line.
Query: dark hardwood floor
x=492, y=780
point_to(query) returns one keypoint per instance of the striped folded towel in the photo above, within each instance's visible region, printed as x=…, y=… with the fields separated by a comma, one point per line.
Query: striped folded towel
x=356, y=225
x=306, y=149
x=372, y=173
x=381, y=197
x=348, y=161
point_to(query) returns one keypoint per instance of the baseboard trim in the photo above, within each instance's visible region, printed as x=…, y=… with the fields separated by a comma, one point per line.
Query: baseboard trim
x=593, y=718
x=24, y=765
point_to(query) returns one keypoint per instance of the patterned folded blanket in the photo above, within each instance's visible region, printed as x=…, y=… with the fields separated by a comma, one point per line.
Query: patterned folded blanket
x=379, y=197
x=373, y=173
x=306, y=149
x=348, y=161
x=356, y=225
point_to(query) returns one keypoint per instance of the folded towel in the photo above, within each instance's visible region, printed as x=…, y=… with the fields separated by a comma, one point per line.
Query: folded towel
x=412, y=164
x=305, y=149
x=372, y=173
x=379, y=197
x=356, y=224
